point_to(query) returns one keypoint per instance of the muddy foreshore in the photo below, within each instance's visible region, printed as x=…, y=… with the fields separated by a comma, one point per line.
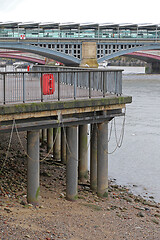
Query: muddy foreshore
x=121, y=216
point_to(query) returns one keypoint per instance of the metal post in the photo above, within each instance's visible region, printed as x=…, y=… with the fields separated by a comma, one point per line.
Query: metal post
x=58, y=86
x=83, y=153
x=41, y=87
x=93, y=158
x=89, y=80
x=75, y=85
x=63, y=145
x=4, y=88
x=72, y=163
x=103, y=84
x=24, y=89
x=102, y=160
x=33, y=187
x=57, y=143
x=49, y=139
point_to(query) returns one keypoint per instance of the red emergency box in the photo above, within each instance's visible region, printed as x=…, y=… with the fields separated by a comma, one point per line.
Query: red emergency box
x=48, y=84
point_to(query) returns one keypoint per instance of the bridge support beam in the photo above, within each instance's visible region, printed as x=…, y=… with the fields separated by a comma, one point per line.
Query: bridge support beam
x=89, y=55
x=102, y=160
x=33, y=167
x=72, y=163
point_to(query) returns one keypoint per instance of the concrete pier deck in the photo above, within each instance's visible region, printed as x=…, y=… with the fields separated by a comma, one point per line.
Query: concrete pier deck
x=80, y=97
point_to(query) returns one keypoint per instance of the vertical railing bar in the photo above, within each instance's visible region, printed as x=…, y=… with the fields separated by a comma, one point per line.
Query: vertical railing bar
x=89, y=82
x=103, y=84
x=24, y=89
x=4, y=86
x=41, y=87
x=115, y=82
x=59, y=86
x=75, y=85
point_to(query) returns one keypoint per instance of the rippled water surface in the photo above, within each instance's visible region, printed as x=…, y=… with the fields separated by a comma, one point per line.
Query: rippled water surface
x=137, y=163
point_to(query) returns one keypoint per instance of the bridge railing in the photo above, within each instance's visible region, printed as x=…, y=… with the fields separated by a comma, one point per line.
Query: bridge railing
x=58, y=85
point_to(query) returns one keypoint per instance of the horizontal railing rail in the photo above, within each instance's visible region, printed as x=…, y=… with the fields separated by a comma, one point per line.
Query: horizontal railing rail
x=57, y=85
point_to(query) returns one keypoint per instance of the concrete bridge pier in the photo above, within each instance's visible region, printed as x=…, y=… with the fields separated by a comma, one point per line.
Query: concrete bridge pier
x=33, y=187
x=93, y=158
x=83, y=154
x=57, y=143
x=102, y=160
x=89, y=55
x=72, y=163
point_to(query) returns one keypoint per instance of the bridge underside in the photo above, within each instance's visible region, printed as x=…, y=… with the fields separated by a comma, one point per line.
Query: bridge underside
x=22, y=58
x=147, y=57
x=68, y=60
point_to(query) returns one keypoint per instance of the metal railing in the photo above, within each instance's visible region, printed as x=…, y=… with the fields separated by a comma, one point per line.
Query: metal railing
x=23, y=87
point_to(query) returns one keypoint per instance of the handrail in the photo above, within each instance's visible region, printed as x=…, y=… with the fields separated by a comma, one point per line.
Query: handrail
x=64, y=84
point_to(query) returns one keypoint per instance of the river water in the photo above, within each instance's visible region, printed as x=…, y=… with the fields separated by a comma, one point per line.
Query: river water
x=137, y=163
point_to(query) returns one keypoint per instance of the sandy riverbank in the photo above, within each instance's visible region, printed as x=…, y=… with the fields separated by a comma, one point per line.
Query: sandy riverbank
x=121, y=216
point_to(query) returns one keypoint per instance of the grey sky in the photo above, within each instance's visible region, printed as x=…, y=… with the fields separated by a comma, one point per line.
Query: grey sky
x=7, y=5
x=117, y=11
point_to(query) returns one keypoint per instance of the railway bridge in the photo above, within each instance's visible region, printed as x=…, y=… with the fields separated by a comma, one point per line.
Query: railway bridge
x=80, y=44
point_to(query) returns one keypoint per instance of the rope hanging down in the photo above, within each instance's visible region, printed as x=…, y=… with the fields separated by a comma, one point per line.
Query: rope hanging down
x=113, y=122
x=119, y=141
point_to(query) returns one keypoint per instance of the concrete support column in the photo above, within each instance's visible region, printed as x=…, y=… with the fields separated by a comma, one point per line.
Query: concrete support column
x=102, y=160
x=89, y=55
x=33, y=187
x=44, y=137
x=57, y=143
x=49, y=139
x=93, y=158
x=63, y=145
x=72, y=163
x=83, y=153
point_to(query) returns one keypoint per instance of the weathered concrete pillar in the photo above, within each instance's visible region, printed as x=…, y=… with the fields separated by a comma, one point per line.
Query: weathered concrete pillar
x=57, y=143
x=72, y=163
x=33, y=187
x=102, y=160
x=63, y=145
x=89, y=55
x=83, y=153
x=49, y=139
x=44, y=136
x=93, y=158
